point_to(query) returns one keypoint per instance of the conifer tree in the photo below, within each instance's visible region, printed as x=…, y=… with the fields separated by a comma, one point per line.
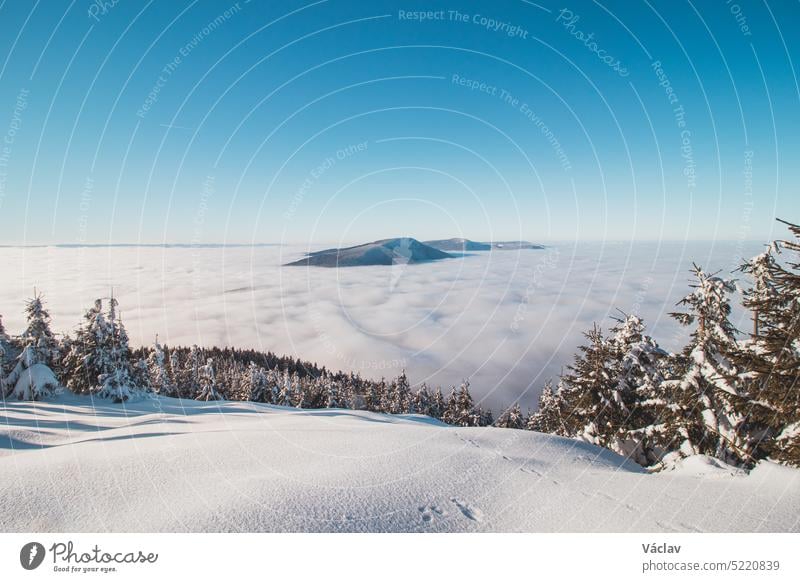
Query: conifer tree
x=380, y=392
x=371, y=399
x=637, y=401
x=175, y=372
x=5, y=344
x=286, y=389
x=421, y=402
x=31, y=378
x=208, y=383
x=460, y=410
x=332, y=394
x=511, y=418
x=705, y=400
x=38, y=335
x=450, y=412
x=140, y=375
x=87, y=360
x=157, y=370
x=438, y=404
x=3, y=383
x=192, y=372
x=117, y=381
x=549, y=417
x=257, y=384
x=348, y=396
x=275, y=381
x=588, y=392
x=298, y=398
x=401, y=397
x=771, y=359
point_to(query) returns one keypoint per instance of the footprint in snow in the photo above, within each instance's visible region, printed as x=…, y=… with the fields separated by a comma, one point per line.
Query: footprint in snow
x=470, y=512
x=430, y=513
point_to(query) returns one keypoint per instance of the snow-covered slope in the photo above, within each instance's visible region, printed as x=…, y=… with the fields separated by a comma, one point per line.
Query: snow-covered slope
x=170, y=465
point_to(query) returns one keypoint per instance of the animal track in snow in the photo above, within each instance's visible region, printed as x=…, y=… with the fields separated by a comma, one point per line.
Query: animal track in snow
x=470, y=512
x=430, y=513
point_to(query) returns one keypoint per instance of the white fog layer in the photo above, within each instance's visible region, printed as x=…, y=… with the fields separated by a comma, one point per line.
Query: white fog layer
x=506, y=320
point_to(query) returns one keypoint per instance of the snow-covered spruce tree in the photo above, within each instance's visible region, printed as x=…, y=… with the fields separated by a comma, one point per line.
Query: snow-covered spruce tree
x=332, y=393
x=450, y=411
x=38, y=334
x=298, y=397
x=175, y=371
x=33, y=378
x=140, y=374
x=208, y=383
x=160, y=378
x=397, y=396
x=286, y=389
x=5, y=350
x=192, y=372
x=373, y=396
x=386, y=391
x=87, y=358
x=274, y=381
x=402, y=394
x=380, y=392
x=511, y=418
x=460, y=410
x=466, y=407
x=637, y=397
x=4, y=387
x=117, y=382
x=257, y=384
x=5, y=344
x=349, y=396
x=772, y=357
x=234, y=380
x=588, y=392
x=705, y=401
x=99, y=358
x=438, y=404
x=549, y=417
x=421, y=401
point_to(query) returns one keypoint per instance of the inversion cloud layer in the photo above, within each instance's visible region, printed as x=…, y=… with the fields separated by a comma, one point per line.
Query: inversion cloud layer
x=506, y=320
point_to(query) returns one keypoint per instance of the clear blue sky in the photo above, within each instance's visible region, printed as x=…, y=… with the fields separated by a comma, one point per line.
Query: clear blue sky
x=218, y=122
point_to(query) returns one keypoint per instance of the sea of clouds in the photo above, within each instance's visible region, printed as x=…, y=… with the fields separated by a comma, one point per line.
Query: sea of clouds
x=506, y=320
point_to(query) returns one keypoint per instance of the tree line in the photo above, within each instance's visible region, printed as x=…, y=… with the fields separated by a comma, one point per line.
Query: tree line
x=732, y=396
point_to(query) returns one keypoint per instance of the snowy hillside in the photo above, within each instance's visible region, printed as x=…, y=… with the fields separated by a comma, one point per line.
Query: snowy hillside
x=173, y=465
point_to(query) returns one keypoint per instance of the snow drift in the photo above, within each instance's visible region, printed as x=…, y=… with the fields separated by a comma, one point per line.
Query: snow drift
x=175, y=466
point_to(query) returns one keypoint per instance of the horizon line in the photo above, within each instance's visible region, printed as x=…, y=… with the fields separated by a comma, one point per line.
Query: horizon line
x=280, y=244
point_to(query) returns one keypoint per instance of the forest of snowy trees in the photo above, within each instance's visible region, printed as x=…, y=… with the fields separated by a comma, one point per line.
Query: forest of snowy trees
x=730, y=395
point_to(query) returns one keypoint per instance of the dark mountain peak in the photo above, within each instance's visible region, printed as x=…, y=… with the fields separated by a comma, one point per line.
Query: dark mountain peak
x=390, y=251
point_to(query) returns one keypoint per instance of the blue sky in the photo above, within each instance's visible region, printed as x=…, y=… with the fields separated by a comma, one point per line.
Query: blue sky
x=336, y=121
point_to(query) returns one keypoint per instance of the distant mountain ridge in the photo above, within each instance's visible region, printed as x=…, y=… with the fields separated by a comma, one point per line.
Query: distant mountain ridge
x=392, y=251
x=458, y=245
x=463, y=245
